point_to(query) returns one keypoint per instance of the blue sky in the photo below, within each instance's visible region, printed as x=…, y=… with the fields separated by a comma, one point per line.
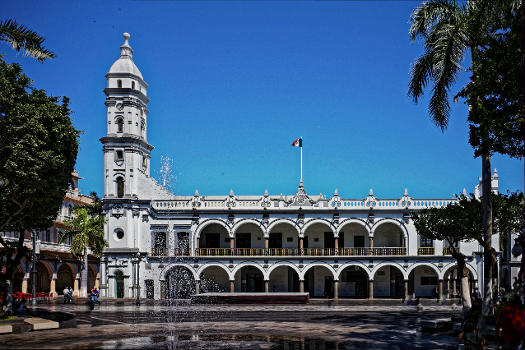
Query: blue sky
x=233, y=83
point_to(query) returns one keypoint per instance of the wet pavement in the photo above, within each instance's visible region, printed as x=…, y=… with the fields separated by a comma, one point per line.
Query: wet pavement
x=352, y=325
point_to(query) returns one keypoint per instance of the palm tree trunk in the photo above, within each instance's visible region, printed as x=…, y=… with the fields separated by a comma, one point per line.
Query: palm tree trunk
x=486, y=202
x=84, y=280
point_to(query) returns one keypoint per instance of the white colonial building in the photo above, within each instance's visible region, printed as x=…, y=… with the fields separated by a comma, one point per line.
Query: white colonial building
x=163, y=246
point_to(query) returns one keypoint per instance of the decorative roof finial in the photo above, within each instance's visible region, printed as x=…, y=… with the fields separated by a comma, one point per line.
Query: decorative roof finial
x=336, y=193
x=231, y=193
x=196, y=193
x=464, y=192
x=266, y=192
x=495, y=173
x=371, y=193
x=125, y=49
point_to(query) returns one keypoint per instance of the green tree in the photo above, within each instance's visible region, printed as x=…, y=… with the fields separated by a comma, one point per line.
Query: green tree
x=454, y=223
x=451, y=29
x=38, y=149
x=87, y=234
x=461, y=221
x=496, y=93
x=21, y=37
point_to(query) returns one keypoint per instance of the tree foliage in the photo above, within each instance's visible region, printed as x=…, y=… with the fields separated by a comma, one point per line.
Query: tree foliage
x=21, y=37
x=86, y=232
x=456, y=222
x=496, y=92
x=38, y=149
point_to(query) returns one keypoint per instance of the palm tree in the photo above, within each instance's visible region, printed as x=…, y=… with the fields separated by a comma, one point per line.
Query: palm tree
x=449, y=31
x=87, y=234
x=21, y=37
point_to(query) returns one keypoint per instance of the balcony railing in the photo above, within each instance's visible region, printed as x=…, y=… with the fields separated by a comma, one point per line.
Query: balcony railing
x=382, y=251
x=159, y=252
x=165, y=252
x=425, y=251
x=449, y=250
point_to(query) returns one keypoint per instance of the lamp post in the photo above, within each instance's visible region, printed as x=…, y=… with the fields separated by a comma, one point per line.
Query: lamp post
x=137, y=281
x=36, y=250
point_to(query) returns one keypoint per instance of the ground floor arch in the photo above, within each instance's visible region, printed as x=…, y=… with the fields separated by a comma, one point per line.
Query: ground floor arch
x=249, y=279
x=388, y=282
x=65, y=278
x=423, y=282
x=354, y=282
x=180, y=283
x=319, y=282
x=452, y=282
x=214, y=279
x=283, y=279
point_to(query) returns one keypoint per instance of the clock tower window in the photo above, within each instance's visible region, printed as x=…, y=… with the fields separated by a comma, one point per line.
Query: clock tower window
x=119, y=83
x=120, y=125
x=120, y=187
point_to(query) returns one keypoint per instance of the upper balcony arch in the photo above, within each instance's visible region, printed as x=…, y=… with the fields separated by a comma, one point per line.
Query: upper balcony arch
x=208, y=222
x=359, y=222
x=394, y=222
x=311, y=222
x=242, y=222
x=276, y=222
x=389, y=233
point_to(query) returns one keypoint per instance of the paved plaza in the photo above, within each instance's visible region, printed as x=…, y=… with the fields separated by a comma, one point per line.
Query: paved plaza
x=352, y=325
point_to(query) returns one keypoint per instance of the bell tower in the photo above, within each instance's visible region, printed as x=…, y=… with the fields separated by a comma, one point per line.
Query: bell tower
x=127, y=153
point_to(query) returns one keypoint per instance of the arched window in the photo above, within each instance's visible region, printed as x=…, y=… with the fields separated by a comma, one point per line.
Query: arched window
x=120, y=125
x=119, y=83
x=133, y=85
x=120, y=187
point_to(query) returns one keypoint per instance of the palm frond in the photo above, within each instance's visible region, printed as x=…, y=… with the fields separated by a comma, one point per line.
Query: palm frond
x=448, y=42
x=21, y=37
x=426, y=15
x=421, y=73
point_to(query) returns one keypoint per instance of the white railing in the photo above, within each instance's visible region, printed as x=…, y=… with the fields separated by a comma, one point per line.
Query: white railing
x=341, y=204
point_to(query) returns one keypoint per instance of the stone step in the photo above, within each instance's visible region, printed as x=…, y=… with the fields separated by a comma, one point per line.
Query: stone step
x=38, y=323
x=6, y=328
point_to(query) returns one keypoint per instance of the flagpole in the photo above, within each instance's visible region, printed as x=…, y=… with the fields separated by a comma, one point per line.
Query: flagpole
x=301, y=159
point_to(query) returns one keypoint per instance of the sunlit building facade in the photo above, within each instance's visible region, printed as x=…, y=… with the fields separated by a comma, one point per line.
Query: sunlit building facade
x=167, y=246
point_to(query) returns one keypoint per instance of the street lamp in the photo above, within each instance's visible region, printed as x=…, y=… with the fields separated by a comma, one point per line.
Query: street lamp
x=137, y=284
x=36, y=250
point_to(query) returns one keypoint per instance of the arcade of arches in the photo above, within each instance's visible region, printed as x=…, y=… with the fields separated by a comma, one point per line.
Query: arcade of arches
x=53, y=277
x=354, y=281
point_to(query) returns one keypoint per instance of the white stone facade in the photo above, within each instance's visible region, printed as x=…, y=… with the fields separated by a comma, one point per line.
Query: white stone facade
x=162, y=245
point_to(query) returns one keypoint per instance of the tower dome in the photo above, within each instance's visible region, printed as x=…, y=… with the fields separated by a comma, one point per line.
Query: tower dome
x=125, y=64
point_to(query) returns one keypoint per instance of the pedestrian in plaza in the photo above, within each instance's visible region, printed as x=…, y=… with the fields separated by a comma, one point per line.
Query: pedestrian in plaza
x=469, y=335
x=511, y=324
x=66, y=296
x=94, y=295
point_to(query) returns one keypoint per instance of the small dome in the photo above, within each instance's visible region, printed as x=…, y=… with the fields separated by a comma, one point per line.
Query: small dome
x=125, y=62
x=125, y=65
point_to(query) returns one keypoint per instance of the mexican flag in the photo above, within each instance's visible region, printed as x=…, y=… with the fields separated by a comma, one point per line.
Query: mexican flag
x=298, y=143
